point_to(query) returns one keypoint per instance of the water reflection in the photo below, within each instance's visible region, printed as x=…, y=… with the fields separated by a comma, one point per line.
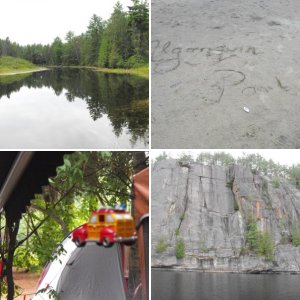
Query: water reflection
x=121, y=99
x=169, y=285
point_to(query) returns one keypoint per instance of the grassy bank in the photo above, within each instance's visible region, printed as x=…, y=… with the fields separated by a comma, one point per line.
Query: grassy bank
x=140, y=71
x=9, y=65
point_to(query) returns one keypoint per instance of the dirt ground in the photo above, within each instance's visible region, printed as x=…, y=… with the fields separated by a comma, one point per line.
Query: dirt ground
x=27, y=283
x=212, y=61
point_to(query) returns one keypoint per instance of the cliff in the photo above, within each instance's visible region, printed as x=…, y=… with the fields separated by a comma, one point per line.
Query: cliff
x=211, y=210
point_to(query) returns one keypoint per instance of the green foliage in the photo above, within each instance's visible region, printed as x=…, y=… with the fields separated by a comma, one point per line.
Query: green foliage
x=185, y=158
x=11, y=64
x=216, y=159
x=52, y=293
x=120, y=42
x=243, y=250
x=103, y=60
x=276, y=183
x=57, y=52
x=85, y=182
x=162, y=156
x=139, y=30
x=252, y=236
x=93, y=40
x=25, y=258
x=177, y=231
x=181, y=218
x=294, y=175
x=161, y=245
x=296, y=237
x=180, y=248
x=259, y=242
x=266, y=245
x=4, y=289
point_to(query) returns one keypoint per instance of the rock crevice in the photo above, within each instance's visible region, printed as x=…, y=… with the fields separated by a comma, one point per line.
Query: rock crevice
x=209, y=207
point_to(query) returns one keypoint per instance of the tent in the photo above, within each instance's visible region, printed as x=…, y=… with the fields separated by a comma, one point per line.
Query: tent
x=90, y=272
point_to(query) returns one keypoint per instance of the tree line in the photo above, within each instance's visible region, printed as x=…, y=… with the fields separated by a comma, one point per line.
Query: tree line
x=120, y=42
x=254, y=162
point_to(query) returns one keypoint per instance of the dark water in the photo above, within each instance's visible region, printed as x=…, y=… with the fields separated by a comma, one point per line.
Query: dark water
x=169, y=285
x=73, y=108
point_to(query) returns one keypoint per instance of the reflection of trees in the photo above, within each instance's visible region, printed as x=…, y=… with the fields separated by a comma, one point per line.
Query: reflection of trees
x=123, y=98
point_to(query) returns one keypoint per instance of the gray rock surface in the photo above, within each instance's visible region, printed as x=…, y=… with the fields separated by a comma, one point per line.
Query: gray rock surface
x=209, y=207
x=210, y=59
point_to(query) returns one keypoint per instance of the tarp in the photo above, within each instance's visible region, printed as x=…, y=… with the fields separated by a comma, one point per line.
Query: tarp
x=90, y=272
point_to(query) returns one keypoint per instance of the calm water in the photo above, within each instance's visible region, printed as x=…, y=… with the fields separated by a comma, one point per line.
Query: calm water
x=73, y=108
x=168, y=285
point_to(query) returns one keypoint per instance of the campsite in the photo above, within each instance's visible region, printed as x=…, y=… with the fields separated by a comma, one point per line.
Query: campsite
x=44, y=196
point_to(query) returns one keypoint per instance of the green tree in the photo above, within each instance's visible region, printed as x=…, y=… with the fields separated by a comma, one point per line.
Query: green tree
x=117, y=46
x=294, y=175
x=71, y=54
x=57, y=51
x=93, y=39
x=139, y=30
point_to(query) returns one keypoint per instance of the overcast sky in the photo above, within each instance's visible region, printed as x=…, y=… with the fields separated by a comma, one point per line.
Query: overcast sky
x=40, y=21
x=284, y=157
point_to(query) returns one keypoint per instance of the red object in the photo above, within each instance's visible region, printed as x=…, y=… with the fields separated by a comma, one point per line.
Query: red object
x=106, y=227
x=141, y=209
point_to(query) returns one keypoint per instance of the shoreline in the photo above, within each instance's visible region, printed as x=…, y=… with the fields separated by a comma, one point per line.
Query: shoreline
x=133, y=71
x=23, y=72
x=251, y=272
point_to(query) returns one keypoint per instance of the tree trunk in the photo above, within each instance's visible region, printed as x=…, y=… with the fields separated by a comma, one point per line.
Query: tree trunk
x=13, y=228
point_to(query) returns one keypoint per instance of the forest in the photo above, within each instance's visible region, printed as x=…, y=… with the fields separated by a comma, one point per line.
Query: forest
x=255, y=162
x=122, y=41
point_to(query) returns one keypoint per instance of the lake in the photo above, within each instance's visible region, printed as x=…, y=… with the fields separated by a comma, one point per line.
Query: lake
x=173, y=285
x=74, y=108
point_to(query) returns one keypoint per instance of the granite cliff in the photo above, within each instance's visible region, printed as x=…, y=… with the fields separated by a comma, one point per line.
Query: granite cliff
x=210, y=208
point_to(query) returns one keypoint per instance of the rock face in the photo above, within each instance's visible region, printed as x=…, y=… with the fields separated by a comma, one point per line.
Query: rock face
x=209, y=207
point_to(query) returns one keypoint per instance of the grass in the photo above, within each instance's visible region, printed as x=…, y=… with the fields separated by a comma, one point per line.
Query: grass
x=180, y=248
x=161, y=245
x=10, y=64
x=142, y=71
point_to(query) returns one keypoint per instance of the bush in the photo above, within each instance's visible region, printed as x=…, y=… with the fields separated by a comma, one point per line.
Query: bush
x=161, y=245
x=243, y=250
x=276, y=183
x=135, y=61
x=265, y=245
x=259, y=242
x=252, y=236
x=181, y=218
x=24, y=258
x=180, y=248
x=296, y=237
